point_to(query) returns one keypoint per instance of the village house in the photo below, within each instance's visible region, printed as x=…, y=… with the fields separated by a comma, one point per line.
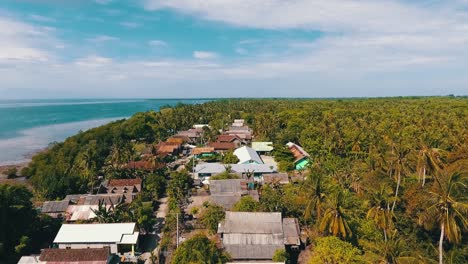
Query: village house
x=239, y=129
x=262, y=148
x=301, y=157
x=247, y=155
x=203, y=170
x=168, y=148
x=222, y=147
x=128, y=187
x=230, y=139
x=226, y=193
x=69, y=256
x=256, y=236
x=80, y=206
x=203, y=152
x=119, y=238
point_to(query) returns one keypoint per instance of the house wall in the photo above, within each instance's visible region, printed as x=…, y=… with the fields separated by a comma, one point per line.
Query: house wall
x=113, y=247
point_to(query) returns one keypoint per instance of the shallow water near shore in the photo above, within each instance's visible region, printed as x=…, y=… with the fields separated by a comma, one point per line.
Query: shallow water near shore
x=28, y=126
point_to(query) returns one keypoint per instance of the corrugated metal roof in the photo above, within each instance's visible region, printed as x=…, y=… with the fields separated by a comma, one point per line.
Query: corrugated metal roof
x=252, y=223
x=216, y=168
x=262, y=146
x=198, y=151
x=247, y=155
x=297, y=151
x=55, y=206
x=227, y=186
x=252, y=251
x=93, y=233
x=227, y=201
x=291, y=231
x=74, y=255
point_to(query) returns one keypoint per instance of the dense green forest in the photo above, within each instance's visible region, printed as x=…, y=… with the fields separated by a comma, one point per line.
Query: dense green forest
x=388, y=176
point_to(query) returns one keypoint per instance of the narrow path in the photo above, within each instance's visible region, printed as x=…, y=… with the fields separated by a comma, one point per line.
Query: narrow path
x=160, y=221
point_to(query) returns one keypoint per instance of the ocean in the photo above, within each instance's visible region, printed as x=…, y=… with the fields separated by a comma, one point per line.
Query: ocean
x=28, y=126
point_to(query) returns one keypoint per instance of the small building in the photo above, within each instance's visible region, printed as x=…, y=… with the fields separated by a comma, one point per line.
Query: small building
x=262, y=148
x=203, y=152
x=302, y=158
x=74, y=256
x=128, y=187
x=226, y=193
x=230, y=139
x=222, y=146
x=210, y=169
x=247, y=155
x=167, y=148
x=120, y=238
x=275, y=178
x=55, y=209
x=255, y=236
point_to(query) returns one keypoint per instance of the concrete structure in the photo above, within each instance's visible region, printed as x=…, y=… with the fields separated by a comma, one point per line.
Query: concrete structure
x=119, y=237
x=255, y=236
x=247, y=155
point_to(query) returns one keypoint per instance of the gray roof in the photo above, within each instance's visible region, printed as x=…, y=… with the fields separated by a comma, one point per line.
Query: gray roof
x=227, y=186
x=227, y=200
x=227, y=192
x=105, y=198
x=216, y=168
x=291, y=231
x=54, y=206
x=249, y=235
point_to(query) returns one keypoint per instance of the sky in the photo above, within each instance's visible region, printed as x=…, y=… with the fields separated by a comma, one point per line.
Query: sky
x=232, y=48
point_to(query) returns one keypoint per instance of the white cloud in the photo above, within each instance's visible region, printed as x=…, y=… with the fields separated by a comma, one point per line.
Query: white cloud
x=41, y=18
x=103, y=2
x=22, y=41
x=204, y=55
x=129, y=24
x=102, y=38
x=157, y=43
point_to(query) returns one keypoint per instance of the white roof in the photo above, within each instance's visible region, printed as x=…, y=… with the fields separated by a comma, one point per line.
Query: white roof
x=247, y=155
x=94, y=233
x=262, y=146
x=215, y=168
x=29, y=260
x=130, y=239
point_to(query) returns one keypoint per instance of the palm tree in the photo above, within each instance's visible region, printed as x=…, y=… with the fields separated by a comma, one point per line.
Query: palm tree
x=316, y=196
x=380, y=211
x=446, y=208
x=334, y=221
x=428, y=161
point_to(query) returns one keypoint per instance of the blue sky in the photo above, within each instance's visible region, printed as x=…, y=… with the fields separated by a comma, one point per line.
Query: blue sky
x=232, y=48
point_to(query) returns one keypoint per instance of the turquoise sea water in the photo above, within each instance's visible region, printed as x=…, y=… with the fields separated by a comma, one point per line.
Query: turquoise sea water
x=27, y=126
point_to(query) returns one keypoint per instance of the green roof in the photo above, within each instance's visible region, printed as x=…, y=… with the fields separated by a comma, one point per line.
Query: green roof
x=262, y=146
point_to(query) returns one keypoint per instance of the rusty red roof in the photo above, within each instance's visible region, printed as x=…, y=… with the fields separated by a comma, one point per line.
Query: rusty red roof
x=74, y=255
x=124, y=182
x=222, y=145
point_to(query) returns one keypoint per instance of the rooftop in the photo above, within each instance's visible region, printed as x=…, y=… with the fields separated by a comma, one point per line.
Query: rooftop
x=55, y=206
x=247, y=155
x=124, y=182
x=198, y=151
x=262, y=146
x=74, y=255
x=222, y=145
x=94, y=233
x=297, y=151
x=216, y=168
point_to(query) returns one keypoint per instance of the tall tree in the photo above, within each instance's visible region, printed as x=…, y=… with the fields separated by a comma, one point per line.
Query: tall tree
x=447, y=208
x=334, y=221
